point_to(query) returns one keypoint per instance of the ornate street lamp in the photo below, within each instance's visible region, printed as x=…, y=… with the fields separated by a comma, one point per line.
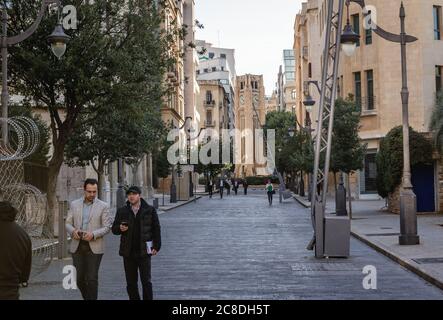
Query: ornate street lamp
x=408, y=200
x=57, y=39
x=349, y=38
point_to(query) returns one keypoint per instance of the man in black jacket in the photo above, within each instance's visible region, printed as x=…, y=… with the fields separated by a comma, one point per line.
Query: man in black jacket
x=15, y=254
x=138, y=225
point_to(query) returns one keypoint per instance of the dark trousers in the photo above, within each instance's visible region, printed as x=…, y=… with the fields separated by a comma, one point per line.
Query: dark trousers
x=210, y=191
x=134, y=265
x=270, y=197
x=87, y=265
x=221, y=192
x=9, y=293
x=246, y=190
x=235, y=190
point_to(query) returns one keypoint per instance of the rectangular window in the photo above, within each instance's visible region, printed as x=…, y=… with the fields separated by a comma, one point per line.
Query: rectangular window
x=211, y=55
x=242, y=85
x=222, y=68
x=370, y=89
x=437, y=22
x=208, y=97
x=206, y=70
x=438, y=80
x=222, y=55
x=368, y=34
x=356, y=26
x=214, y=69
x=357, y=87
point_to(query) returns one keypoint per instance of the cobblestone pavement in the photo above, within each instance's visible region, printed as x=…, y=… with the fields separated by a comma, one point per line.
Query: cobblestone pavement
x=240, y=248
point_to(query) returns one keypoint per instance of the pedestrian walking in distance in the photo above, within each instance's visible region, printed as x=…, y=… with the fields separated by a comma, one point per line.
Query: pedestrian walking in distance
x=15, y=254
x=235, y=186
x=228, y=187
x=221, y=184
x=245, y=186
x=210, y=187
x=88, y=221
x=138, y=226
x=270, y=191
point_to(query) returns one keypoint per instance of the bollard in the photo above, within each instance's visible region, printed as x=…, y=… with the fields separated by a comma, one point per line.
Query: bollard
x=62, y=236
x=340, y=199
x=155, y=203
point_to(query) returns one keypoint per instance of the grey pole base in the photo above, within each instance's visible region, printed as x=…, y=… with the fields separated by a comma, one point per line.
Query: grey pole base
x=409, y=240
x=408, y=219
x=340, y=200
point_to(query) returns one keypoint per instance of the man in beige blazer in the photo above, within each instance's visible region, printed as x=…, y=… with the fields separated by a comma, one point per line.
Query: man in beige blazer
x=88, y=221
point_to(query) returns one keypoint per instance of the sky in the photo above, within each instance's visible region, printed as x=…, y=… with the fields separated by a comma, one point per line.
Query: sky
x=258, y=30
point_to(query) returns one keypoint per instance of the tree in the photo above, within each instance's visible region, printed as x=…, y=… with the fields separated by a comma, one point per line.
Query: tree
x=70, y=88
x=437, y=123
x=348, y=151
x=390, y=158
x=118, y=134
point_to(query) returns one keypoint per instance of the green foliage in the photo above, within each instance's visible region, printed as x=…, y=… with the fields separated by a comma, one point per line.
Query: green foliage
x=390, y=158
x=115, y=61
x=348, y=152
x=295, y=153
x=437, y=123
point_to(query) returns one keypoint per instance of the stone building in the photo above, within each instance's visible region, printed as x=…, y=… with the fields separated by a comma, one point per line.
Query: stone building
x=250, y=114
x=373, y=77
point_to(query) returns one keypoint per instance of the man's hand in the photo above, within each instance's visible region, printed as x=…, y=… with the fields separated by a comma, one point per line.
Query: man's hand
x=123, y=228
x=75, y=234
x=88, y=236
x=154, y=252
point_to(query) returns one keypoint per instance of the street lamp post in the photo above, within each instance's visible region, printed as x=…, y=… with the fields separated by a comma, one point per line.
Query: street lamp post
x=58, y=40
x=309, y=102
x=408, y=200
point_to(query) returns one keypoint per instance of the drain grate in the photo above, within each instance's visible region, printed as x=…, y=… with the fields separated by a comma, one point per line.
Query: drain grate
x=382, y=234
x=428, y=260
x=386, y=228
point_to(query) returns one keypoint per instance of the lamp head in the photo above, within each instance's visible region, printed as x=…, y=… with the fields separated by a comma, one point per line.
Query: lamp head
x=349, y=40
x=58, y=40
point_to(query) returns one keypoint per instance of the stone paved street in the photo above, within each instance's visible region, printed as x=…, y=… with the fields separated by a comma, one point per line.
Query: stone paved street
x=240, y=248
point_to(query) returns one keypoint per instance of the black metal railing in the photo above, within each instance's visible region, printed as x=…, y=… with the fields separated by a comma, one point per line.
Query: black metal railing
x=366, y=103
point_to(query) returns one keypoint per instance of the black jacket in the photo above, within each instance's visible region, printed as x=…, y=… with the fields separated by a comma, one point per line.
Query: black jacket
x=15, y=254
x=149, y=228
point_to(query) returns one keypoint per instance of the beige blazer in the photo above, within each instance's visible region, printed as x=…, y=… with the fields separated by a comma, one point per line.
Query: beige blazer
x=99, y=224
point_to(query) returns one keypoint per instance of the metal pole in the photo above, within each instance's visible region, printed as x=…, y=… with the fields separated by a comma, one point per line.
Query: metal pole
x=120, y=191
x=408, y=200
x=5, y=93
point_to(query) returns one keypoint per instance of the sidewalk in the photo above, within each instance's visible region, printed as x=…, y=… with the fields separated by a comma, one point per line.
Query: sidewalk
x=380, y=229
x=166, y=205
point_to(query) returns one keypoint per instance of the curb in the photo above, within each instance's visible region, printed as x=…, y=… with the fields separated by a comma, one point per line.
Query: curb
x=181, y=204
x=302, y=202
x=432, y=280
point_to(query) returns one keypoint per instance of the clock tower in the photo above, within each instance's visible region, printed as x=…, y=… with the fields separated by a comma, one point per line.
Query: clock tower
x=250, y=114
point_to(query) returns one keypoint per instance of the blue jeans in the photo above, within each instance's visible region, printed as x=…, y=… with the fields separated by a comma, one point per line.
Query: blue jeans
x=87, y=265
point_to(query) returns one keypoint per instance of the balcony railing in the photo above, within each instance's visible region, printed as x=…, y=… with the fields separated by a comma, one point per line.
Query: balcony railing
x=367, y=104
x=208, y=103
x=210, y=124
